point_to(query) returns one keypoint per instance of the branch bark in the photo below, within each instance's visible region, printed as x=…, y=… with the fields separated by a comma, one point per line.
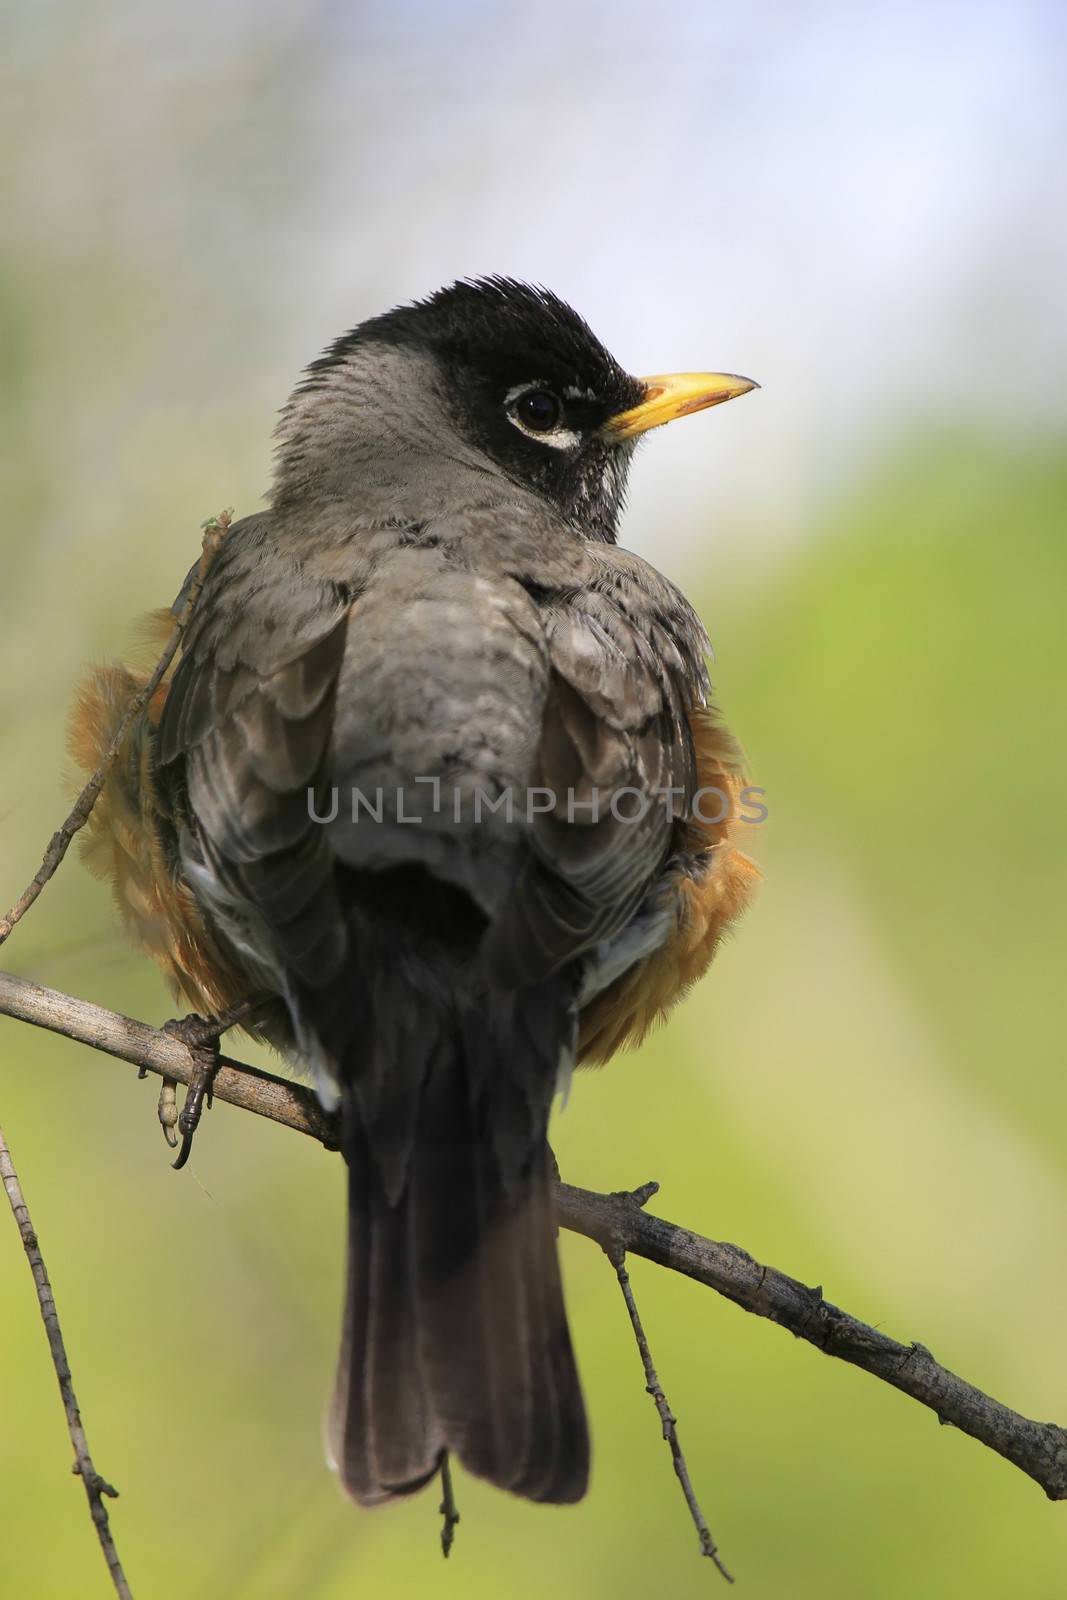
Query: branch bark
x=616, y=1222
x=96, y=1487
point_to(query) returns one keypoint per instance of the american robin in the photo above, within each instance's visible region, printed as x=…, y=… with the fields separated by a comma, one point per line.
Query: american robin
x=435, y=772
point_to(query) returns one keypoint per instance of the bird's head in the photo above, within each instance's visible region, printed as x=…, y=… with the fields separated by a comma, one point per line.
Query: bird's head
x=489, y=376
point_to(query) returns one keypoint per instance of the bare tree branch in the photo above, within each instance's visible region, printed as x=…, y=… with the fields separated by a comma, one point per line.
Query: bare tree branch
x=1037, y=1448
x=614, y=1221
x=96, y=1487
x=215, y=530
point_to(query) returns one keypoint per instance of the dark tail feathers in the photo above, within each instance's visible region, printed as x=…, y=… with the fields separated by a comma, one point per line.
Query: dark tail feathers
x=455, y=1335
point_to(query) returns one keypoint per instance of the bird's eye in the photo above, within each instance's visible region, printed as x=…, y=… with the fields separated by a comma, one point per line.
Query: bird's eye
x=539, y=410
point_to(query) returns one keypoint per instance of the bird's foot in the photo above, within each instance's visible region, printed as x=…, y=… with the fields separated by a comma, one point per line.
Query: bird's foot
x=200, y=1035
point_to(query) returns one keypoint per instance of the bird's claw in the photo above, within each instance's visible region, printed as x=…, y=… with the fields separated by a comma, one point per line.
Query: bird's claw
x=200, y=1035
x=167, y=1110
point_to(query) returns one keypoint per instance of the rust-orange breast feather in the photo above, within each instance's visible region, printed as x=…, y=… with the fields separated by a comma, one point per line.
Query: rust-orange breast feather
x=123, y=843
x=706, y=894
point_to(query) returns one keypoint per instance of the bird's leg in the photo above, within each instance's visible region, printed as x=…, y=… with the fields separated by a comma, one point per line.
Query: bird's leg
x=200, y=1035
x=447, y=1508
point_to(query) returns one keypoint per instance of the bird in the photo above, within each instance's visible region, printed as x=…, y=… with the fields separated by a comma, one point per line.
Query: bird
x=428, y=778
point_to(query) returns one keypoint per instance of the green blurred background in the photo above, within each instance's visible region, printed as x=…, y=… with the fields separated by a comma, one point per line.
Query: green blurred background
x=866, y=210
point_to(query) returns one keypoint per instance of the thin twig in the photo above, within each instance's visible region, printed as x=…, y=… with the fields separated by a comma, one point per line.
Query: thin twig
x=447, y=1508
x=617, y=1256
x=215, y=530
x=1037, y=1448
x=96, y=1487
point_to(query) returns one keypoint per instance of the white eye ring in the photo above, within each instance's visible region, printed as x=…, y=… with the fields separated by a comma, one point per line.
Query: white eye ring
x=557, y=438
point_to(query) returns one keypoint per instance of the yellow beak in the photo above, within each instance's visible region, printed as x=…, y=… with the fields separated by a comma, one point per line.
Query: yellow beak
x=675, y=395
